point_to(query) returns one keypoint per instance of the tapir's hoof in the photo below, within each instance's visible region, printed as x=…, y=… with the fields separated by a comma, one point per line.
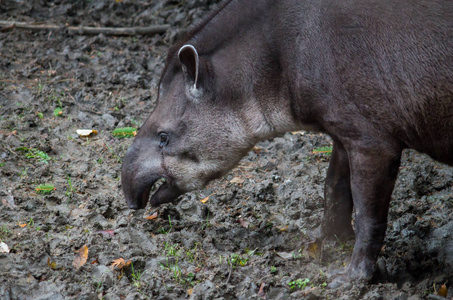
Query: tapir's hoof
x=321, y=233
x=344, y=277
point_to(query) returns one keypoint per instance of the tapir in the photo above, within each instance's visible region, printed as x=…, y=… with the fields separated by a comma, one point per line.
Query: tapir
x=376, y=76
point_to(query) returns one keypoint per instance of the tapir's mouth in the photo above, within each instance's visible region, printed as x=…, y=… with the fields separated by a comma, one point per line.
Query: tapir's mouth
x=162, y=190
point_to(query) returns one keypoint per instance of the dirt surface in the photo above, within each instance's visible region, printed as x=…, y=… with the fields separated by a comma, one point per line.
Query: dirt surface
x=246, y=236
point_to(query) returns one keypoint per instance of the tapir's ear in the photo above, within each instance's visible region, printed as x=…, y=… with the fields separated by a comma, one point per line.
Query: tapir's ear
x=188, y=56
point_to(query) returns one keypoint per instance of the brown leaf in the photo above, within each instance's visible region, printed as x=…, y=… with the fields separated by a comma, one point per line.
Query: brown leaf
x=81, y=257
x=443, y=291
x=152, y=217
x=261, y=292
x=256, y=150
x=237, y=180
x=189, y=292
x=120, y=263
x=314, y=249
x=22, y=224
x=96, y=261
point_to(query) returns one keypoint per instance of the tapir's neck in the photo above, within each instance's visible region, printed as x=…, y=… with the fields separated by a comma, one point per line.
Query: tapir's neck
x=244, y=45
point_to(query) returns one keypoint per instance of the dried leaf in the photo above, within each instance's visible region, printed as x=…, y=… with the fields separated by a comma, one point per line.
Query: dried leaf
x=204, y=200
x=298, y=132
x=285, y=255
x=22, y=224
x=282, y=228
x=86, y=132
x=314, y=249
x=4, y=248
x=120, y=263
x=152, y=217
x=261, y=292
x=189, y=292
x=96, y=261
x=256, y=150
x=81, y=257
x=443, y=291
x=237, y=180
x=51, y=264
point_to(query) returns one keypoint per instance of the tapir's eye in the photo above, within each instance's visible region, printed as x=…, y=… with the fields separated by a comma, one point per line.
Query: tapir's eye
x=164, y=139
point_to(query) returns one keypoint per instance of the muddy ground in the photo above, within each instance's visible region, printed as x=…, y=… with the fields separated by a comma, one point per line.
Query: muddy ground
x=250, y=236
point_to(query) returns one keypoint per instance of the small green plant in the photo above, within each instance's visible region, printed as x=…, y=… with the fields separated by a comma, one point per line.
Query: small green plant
x=273, y=269
x=299, y=283
x=343, y=246
x=298, y=255
x=2, y=164
x=237, y=260
x=325, y=149
x=163, y=231
x=70, y=189
x=125, y=132
x=34, y=153
x=58, y=112
x=136, y=276
x=23, y=174
x=40, y=115
x=40, y=87
x=4, y=232
x=192, y=254
x=171, y=250
x=45, y=188
x=31, y=223
x=135, y=122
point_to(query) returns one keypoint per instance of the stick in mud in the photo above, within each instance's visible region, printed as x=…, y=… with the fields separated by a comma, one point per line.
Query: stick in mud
x=119, y=31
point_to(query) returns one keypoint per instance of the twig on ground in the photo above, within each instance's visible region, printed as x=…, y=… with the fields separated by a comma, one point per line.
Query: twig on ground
x=119, y=31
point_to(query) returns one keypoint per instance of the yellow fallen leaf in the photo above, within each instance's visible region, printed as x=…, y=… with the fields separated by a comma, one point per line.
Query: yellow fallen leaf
x=51, y=264
x=204, y=200
x=81, y=257
x=22, y=224
x=283, y=228
x=189, y=292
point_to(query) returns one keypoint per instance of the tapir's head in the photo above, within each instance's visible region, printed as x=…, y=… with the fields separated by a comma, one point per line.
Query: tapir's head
x=192, y=136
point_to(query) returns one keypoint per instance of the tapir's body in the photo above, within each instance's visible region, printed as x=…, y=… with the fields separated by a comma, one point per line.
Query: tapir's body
x=377, y=76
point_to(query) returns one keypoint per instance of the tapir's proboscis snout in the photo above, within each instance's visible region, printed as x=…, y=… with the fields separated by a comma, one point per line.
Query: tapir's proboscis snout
x=374, y=81
x=138, y=179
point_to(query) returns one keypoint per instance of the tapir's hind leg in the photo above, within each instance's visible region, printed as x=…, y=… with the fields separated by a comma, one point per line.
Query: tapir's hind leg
x=337, y=196
x=373, y=176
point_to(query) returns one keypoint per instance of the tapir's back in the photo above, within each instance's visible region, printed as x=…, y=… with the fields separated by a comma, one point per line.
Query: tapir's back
x=385, y=63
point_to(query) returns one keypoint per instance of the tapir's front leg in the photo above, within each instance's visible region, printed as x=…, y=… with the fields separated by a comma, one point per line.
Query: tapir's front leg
x=337, y=195
x=373, y=175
